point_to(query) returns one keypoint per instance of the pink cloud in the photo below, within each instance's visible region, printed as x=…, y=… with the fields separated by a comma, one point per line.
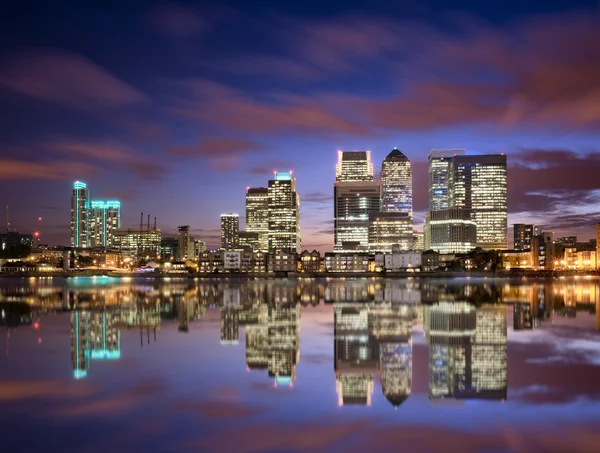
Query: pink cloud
x=67, y=79
x=14, y=169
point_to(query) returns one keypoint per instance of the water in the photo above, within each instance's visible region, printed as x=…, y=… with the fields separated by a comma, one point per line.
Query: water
x=99, y=364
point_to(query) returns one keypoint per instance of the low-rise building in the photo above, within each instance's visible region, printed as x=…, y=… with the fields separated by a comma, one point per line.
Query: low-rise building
x=399, y=261
x=281, y=261
x=347, y=262
x=517, y=259
x=310, y=261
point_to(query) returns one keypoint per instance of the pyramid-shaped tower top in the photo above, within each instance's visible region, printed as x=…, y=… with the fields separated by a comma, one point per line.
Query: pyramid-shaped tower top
x=396, y=154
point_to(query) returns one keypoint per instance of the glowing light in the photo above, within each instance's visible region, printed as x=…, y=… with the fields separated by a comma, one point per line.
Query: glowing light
x=39, y=218
x=36, y=325
x=78, y=374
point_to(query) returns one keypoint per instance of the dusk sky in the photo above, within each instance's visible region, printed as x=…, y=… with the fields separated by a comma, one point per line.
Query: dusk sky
x=175, y=108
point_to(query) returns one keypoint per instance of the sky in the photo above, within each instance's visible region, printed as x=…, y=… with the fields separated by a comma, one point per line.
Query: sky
x=175, y=108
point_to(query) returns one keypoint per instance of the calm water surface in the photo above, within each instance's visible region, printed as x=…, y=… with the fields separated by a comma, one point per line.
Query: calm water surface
x=106, y=365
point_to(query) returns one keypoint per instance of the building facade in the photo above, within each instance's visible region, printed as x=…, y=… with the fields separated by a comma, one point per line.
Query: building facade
x=523, y=234
x=450, y=231
x=478, y=183
x=138, y=243
x=439, y=177
x=284, y=213
x=104, y=219
x=396, y=183
x=249, y=240
x=80, y=203
x=230, y=230
x=257, y=214
x=389, y=229
x=354, y=166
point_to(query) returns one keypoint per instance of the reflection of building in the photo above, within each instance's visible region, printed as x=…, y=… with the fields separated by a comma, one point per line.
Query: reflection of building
x=284, y=213
x=80, y=200
x=522, y=317
x=284, y=344
x=467, y=350
x=230, y=325
x=104, y=337
x=356, y=354
x=80, y=354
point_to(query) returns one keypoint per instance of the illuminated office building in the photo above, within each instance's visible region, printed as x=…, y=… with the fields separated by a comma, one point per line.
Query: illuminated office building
x=230, y=230
x=396, y=183
x=355, y=196
x=104, y=337
x=478, y=183
x=104, y=219
x=450, y=231
x=354, y=166
x=184, y=242
x=389, y=229
x=523, y=235
x=249, y=241
x=257, y=215
x=439, y=177
x=80, y=204
x=80, y=357
x=598, y=246
x=135, y=242
x=284, y=214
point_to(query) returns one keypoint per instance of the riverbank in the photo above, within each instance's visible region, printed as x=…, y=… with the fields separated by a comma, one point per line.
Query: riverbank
x=292, y=275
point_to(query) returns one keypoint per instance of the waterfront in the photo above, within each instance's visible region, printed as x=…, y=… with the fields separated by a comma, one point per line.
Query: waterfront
x=96, y=364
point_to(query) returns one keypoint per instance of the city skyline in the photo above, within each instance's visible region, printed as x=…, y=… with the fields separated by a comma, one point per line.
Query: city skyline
x=287, y=93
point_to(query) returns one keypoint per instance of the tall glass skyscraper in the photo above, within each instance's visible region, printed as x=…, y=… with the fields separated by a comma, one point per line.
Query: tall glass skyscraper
x=355, y=195
x=230, y=230
x=257, y=215
x=478, y=183
x=80, y=203
x=284, y=213
x=439, y=177
x=396, y=183
x=105, y=218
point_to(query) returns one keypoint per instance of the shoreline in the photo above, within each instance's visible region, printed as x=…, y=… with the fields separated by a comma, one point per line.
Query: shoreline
x=315, y=275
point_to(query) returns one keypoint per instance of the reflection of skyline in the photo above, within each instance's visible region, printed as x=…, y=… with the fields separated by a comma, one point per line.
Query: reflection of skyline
x=373, y=340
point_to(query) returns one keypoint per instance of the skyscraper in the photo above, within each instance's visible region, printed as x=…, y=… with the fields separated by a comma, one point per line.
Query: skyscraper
x=354, y=166
x=523, y=234
x=80, y=200
x=104, y=219
x=284, y=213
x=257, y=215
x=185, y=243
x=230, y=228
x=396, y=183
x=598, y=245
x=478, y=183
x=389, y=229
x=356, y=196
x=439, y=177
x=450, y=231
